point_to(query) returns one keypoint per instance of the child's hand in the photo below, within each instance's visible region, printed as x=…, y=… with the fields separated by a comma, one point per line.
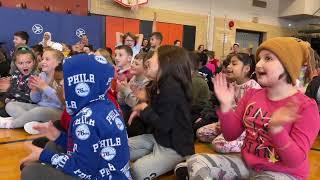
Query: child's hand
x=47, y=129
x=33, y=156
x=136, y=111
x=4, y=84
x=37, y=82
x=140, y=107
x=284, y=115
x=224, y=93
x=122, y=85
x=141, y=94
x=133, y=115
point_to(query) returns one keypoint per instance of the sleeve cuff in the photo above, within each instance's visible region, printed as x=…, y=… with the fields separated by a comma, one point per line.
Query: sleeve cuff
x=46, y=156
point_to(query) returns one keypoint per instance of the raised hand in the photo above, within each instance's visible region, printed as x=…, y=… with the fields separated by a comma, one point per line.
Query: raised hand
x=122, y=84
x=223, y=91
x=47, y=129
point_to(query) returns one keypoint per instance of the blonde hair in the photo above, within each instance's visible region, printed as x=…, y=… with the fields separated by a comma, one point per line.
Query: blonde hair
x=105, y=54
x=57, y=54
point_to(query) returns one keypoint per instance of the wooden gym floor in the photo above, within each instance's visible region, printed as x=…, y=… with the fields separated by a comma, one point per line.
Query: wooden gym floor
x=13, y=147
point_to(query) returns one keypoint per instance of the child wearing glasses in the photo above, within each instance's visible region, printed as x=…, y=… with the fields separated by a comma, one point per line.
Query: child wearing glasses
x=134, y=41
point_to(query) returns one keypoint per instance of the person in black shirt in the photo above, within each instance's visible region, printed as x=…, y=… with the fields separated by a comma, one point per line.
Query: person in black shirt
x=167, y=113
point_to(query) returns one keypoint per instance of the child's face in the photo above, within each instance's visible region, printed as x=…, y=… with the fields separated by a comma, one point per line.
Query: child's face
x=49, y=62
x=236, y=70
x=25, y=63
x=129, y=41
x=137, y=67
x=152, y=67
x=18, y=41
x=122, y=58
x=154, y=42
x=145, y=42
x=58, y=77
x=269, y=69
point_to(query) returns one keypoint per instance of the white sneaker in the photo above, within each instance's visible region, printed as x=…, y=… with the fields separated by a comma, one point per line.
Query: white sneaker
x=6, y=123
x=28, y=127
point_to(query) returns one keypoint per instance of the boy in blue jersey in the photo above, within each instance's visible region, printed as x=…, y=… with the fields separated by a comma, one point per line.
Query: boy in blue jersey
x=96, y=145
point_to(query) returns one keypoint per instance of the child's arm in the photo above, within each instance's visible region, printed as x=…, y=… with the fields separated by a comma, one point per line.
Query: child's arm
x=231, y=122
x=301, y=137
x=139, y=40
x=167, y=105
x=50, y=92
x=83, y=155
x=35, y=96
x=154, y=23
x=119, y=39
x=130, y=99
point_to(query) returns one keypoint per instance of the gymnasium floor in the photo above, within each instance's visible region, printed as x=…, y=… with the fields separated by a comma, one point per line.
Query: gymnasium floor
x=13, y=147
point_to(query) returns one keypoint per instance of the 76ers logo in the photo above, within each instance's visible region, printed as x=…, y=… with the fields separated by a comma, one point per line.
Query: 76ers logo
x=82, y=132
x=82, y=89
x=108, y=153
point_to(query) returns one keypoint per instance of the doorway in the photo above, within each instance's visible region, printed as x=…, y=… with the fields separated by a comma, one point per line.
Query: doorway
x=249, y=39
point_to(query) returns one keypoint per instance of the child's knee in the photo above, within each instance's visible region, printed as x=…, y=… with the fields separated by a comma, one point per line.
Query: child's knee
x=139, y=171
x=30, y=172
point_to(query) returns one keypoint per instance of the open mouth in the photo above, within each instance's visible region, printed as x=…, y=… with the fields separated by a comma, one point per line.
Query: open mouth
x=261, y=73
x=25, y=70
x=229, y=71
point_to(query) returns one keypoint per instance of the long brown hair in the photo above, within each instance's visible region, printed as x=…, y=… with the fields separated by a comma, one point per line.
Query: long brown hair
x=175, y=62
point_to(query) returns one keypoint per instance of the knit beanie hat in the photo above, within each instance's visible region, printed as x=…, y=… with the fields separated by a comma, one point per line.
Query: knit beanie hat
x=291, y=52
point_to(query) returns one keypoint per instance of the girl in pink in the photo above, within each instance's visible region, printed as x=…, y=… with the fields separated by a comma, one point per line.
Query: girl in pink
x=280, y=122
x=239, y=72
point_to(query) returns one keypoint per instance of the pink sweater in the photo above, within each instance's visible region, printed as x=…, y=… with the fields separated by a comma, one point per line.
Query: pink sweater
x=286, y=151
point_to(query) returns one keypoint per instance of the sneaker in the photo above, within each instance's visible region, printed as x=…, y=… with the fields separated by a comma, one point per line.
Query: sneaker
x=6, y=123
x=28, y=127
x=181, y=171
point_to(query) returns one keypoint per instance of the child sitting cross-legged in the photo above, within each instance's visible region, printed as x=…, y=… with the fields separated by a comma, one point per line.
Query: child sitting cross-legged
x=280, y=122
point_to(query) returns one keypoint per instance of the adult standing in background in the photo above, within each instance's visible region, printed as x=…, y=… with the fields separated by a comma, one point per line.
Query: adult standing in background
x=46, y=40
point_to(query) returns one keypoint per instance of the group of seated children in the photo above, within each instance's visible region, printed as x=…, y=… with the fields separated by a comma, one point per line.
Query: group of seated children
x=139, y=118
